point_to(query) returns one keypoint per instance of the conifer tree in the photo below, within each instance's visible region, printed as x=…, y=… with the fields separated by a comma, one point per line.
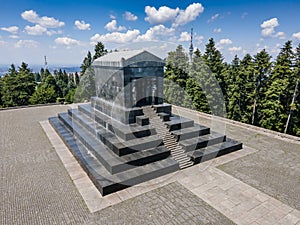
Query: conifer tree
x=278, y=96
x=214, y=60
x=262, y=69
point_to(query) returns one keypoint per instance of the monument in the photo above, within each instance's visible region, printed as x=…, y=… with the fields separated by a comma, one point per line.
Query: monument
x=127, y=135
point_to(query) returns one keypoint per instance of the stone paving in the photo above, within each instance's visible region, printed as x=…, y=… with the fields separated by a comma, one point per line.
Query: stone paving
x=274, y=168
x=37, y=189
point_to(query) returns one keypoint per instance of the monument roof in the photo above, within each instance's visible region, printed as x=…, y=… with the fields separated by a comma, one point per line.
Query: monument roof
x=122, y=58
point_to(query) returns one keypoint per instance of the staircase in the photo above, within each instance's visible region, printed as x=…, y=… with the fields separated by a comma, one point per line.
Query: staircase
x=169, y=141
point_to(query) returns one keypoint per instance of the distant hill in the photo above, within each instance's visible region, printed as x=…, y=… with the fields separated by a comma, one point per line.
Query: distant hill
x=37, y=68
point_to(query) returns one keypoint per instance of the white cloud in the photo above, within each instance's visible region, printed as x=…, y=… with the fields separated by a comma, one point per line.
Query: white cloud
x=213, y=18
x=189, y=14
x=67, y=41
x=199, y=39
x=112, y=26
x=116, y=37
x=14, y=36
x=113, y=17
x=162, y=15
x=268, y=27
x=156, y=32
x=281, y=35
x=27, y=44
x=217, y=30
x=296, y=35
x=35, y=30
x=81, y=25
x=130, y=16
x=12, y=29
x=221, y=43
x=184, y=36
x=235, y=49
x=45, y=21
x=225, y=42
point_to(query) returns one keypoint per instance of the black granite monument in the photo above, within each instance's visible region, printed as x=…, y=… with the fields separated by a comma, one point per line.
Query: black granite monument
x=127, y=135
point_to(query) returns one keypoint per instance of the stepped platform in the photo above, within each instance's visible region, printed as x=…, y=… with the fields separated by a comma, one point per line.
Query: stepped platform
x=116, y=155
x=111, y=173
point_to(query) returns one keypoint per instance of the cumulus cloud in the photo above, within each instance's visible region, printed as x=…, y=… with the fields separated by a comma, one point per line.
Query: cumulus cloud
x=45, y=21
x=225, y=42
x=116, y=37
x=217, y=30
x=189, y=14
x=112, y=26
x=39, y=30
x=235, y=49
x=35, y=30
x=162, y=15
x=221, y=43
x=81, y=25
x=66, y=41
x=12, y=29
x=296, y=35
x=177, y=16
x=130, y=16
x=156, y=32
x=27, y=44
x=184, y=36
x=268, y=27
x=213, y=18
x=280, y=35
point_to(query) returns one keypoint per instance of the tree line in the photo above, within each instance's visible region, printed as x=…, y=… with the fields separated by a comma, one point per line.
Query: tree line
x=253, y=90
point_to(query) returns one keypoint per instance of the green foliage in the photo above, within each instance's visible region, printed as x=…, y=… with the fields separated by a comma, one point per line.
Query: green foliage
x=43, y=94
x=17, y=86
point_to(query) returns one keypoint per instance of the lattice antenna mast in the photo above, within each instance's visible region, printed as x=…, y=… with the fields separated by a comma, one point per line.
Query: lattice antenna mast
x=191, y=49
x=46, y=63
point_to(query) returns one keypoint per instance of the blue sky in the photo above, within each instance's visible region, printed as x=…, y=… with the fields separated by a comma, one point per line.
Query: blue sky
x=65, y=30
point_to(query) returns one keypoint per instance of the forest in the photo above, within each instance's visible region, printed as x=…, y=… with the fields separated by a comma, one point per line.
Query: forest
x=256, y=89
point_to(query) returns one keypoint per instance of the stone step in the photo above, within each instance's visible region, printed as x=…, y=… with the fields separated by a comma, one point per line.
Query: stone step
x=126, y=132
x=186, y=165
x=118, y=146
x=111, y=162
x=105, y=182
x=177, y=123
x=190, y=132
x=214, y=151
x=202, y=141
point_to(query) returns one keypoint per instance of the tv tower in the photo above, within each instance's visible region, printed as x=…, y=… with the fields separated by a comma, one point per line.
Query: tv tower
x=191, y=49
x=46, y=63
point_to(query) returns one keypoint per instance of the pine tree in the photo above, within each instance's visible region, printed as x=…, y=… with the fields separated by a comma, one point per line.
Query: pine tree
x=215, y=92
x=18, y=86
x=235, y=85
x=247, y=88
x=275, y=107
x=214, y=60
x=196, y=83
x=99, y=50
x=293, y=122
x=262, y=69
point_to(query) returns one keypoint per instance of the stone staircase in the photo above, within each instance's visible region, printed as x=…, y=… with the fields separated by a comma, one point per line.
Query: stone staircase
x=169, y=141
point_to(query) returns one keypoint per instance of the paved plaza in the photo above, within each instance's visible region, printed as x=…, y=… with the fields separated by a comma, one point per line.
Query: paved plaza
x=41, y=183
